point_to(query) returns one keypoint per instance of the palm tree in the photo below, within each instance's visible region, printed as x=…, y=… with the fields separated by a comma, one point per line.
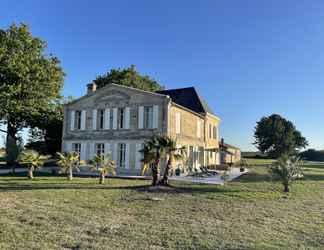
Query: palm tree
x=157, y=148
x=68, y=162
x=173, y=154
x=287, y=169
x=32, y=159
x=104, y=165
x=153, y=151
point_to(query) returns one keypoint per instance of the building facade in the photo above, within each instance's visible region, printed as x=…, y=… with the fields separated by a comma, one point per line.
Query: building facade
x=229, y=154
x=117, y=120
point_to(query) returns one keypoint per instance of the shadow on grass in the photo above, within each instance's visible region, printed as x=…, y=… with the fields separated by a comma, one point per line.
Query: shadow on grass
x=253, y=177
x=171, y=189
x=314, y=177
x=321, y=167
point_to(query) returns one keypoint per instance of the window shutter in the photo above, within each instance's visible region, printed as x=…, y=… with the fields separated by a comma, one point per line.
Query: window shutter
x=141, y=117
x=107, y=119
x=83, y=151
x=198, y=128
x=94, y=119
x=68, y=147
x=72, y=119
x=92, y=151
x=115, y=110
x=127, y=155
x=108, y=150
x=83, y=119
x=127, y=117
x=155, y=116
x=113, y=148
x=138, y=156
x=178, y=123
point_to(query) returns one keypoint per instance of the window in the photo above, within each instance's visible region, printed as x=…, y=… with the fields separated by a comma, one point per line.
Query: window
x=148, y=117
x=178, y=123
x=100, y=149
x=215, y=132
x=121, y=118
x=101, y=118
x=121, y=155
x=210, y=131
x=76, y=147
x=198, y=129
x=111, y=119
x=77, y=123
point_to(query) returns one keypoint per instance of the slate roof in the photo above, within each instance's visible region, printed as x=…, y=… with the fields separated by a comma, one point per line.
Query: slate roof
x=188, y=98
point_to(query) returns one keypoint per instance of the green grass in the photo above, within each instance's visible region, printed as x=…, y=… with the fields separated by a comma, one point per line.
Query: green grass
x=249, y=213
x=259, y=162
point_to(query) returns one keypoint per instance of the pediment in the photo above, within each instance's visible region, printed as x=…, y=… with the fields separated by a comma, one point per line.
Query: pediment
x=112, y=97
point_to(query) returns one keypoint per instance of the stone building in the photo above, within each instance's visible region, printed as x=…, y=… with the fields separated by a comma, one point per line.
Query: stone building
x=229, y=154
x=116, y=119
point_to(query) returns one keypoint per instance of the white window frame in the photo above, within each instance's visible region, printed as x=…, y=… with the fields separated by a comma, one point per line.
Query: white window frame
x=121, y=154
x=148, y=117
x=76, y=147
x=78, y=120
x=99, y=149
x=178, y=123
x=101, y=118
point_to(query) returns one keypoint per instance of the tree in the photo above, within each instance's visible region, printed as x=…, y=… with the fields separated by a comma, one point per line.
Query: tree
x=46, y=130
x=68, y=162
x=104, y=165
x=30, y=80
x=312, y=155
x=32, y=159
x=128, y=77
x=173, y=154
x=156, y=149
x=152, y=152
x=275, y=136
x=286, y=169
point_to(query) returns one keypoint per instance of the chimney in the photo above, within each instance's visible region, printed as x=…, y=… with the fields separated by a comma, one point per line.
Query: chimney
x=91, y=87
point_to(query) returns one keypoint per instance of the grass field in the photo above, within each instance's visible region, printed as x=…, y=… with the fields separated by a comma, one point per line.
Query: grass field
x=249, y=213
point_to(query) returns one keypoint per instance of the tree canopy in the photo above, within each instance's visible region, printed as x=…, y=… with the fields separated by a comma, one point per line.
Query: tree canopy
x=30, y=80
x=128, y=77
x=275, y=136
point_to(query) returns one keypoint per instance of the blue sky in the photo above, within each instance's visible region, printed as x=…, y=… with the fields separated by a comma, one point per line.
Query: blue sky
x=248, y=59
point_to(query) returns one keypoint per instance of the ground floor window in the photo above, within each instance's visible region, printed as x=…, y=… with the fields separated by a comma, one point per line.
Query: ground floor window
x=121, y=155
x=100, y=149
x=76, y=147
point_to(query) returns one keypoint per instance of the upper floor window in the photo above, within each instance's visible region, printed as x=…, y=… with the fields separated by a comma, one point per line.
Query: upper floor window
x=148, y=116
x=215, y=132
x=100, y=149
x=78, y=115
x=121, y=118
x=101, y=118
x=198, y=128
x=178, y=123
x=210, y=131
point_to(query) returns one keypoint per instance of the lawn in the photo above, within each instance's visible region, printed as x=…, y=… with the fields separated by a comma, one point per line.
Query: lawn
x=249, y=213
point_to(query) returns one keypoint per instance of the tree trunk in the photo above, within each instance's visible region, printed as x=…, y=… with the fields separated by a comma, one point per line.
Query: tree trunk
x=102, y=179
x=286, y=188
x=155, y=178
x=30, y=173
x=70, y=176
x=165, y=179
x=11, y=143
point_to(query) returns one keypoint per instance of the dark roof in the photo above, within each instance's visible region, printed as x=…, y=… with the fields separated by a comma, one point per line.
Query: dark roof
x=188, y=98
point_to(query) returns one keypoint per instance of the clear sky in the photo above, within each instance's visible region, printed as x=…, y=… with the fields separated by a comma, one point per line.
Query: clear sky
x=247, y=58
